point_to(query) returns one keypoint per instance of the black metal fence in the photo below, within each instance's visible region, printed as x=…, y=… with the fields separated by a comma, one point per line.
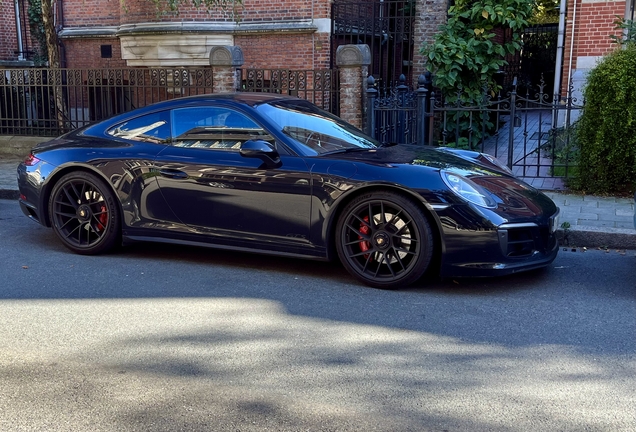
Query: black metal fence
x=317, y=86
x=535, y=61
x=532, y=132
x=49, y=102
x=399, y=115
x=386, y=26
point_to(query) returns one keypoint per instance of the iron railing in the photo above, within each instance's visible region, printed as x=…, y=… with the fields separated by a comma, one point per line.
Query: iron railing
x=317, y=86
x=386, y=26
x=533, y=133
x=49, y=102
x=399, y=116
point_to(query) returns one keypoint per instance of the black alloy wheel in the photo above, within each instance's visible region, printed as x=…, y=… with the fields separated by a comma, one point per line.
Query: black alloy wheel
x=384, y=240
x=84, y=214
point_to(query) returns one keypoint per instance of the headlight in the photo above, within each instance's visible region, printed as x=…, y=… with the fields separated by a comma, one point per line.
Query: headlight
x=468, y=190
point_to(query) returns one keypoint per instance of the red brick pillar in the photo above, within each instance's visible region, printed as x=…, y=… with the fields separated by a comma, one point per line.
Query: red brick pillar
x=353, y=63
x=225, y=60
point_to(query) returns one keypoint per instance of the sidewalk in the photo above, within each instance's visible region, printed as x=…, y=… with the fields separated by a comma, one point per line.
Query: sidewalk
x=594, y=221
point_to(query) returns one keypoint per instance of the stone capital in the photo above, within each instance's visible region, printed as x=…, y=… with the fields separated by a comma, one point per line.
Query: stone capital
x=226, y=56
x=353, y=55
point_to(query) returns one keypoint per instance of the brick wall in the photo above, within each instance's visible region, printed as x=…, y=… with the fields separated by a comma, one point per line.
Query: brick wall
x=8, y=33
x=593, y=24
x=8, y=42
x=86, y=53
x=82, y=13
x=300, y=51
x=430, y=15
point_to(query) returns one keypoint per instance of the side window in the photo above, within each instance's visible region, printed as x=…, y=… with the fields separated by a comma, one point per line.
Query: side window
x=153, y=127
x=214, y=128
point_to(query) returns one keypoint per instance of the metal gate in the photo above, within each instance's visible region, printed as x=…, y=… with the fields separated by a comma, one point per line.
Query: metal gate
x=386, y=26
x=529, y=130
x=536, y=60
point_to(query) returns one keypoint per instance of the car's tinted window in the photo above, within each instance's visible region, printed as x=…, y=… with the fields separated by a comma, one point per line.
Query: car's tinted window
x=214, y=128
x=153, y=127
x=316, y=130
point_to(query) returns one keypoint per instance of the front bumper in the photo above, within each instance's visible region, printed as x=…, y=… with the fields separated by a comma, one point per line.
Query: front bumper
x=499, y=250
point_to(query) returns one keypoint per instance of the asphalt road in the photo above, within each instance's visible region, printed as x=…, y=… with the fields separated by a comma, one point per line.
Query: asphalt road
x=160, y=338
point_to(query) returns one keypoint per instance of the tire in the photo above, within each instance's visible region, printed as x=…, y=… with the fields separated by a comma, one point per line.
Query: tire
x=384, y=240
x=84, y=214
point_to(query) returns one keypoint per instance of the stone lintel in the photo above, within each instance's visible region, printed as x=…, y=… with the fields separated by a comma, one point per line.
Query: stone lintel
x=171, y=49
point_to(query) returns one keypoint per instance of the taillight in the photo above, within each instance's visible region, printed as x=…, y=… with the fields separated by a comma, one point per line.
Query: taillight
x=31, y=160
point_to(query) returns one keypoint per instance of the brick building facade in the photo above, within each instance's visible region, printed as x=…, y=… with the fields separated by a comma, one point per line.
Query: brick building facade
x=291, y=34
x=588, y=28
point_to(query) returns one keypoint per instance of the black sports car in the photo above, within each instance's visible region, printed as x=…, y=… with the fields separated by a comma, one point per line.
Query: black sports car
x=276, y=174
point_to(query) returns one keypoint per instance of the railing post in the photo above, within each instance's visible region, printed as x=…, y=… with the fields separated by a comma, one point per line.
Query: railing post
x=225, y=62
x=431, y=118
x=372, y=94
x=423, y=82
x=353, y=67
x=511, y=122
x=402, y=126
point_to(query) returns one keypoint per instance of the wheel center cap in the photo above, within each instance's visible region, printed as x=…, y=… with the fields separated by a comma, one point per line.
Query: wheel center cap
x=381, y=240
x=83, y=212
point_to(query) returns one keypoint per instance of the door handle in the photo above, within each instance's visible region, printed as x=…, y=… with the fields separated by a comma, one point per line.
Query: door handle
x=172, y=173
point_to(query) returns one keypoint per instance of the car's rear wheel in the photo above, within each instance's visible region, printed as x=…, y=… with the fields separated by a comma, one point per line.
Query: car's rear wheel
x=84, y=213
x=384, y=240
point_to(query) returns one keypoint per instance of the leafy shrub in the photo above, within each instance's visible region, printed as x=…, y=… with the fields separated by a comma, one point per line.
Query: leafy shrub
x=606, y=131
x=465, y=56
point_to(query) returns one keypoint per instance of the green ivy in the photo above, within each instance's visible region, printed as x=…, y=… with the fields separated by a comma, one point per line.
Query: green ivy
x=464, y=56
x=36, y=28
x=606, y=130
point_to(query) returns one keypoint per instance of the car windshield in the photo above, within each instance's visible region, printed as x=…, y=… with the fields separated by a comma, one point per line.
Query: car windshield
x=318, y=131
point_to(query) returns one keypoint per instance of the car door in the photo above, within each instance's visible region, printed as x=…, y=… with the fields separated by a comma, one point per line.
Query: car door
x=213, y=189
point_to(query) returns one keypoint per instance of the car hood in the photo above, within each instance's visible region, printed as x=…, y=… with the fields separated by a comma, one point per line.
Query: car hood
x=515, y=198
x=433, y=157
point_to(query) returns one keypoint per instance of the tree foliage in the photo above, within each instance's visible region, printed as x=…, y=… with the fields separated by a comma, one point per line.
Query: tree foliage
x=606, y=131
x=545, y=12
x=36, y=28
x=465, y=55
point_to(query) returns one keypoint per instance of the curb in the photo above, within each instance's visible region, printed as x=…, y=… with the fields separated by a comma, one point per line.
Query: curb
x=593, y=237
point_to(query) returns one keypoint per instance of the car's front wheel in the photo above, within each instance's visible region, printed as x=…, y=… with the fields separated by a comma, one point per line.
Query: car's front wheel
x=384, y=240
x=84, y=213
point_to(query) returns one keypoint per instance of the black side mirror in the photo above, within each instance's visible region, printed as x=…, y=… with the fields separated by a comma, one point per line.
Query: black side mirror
x=262, y=150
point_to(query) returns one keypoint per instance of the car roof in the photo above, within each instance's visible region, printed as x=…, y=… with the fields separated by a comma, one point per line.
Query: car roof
x=249, y=98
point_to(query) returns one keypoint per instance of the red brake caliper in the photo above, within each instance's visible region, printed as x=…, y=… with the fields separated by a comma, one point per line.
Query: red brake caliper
x=364, y=229
x=103, y=218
